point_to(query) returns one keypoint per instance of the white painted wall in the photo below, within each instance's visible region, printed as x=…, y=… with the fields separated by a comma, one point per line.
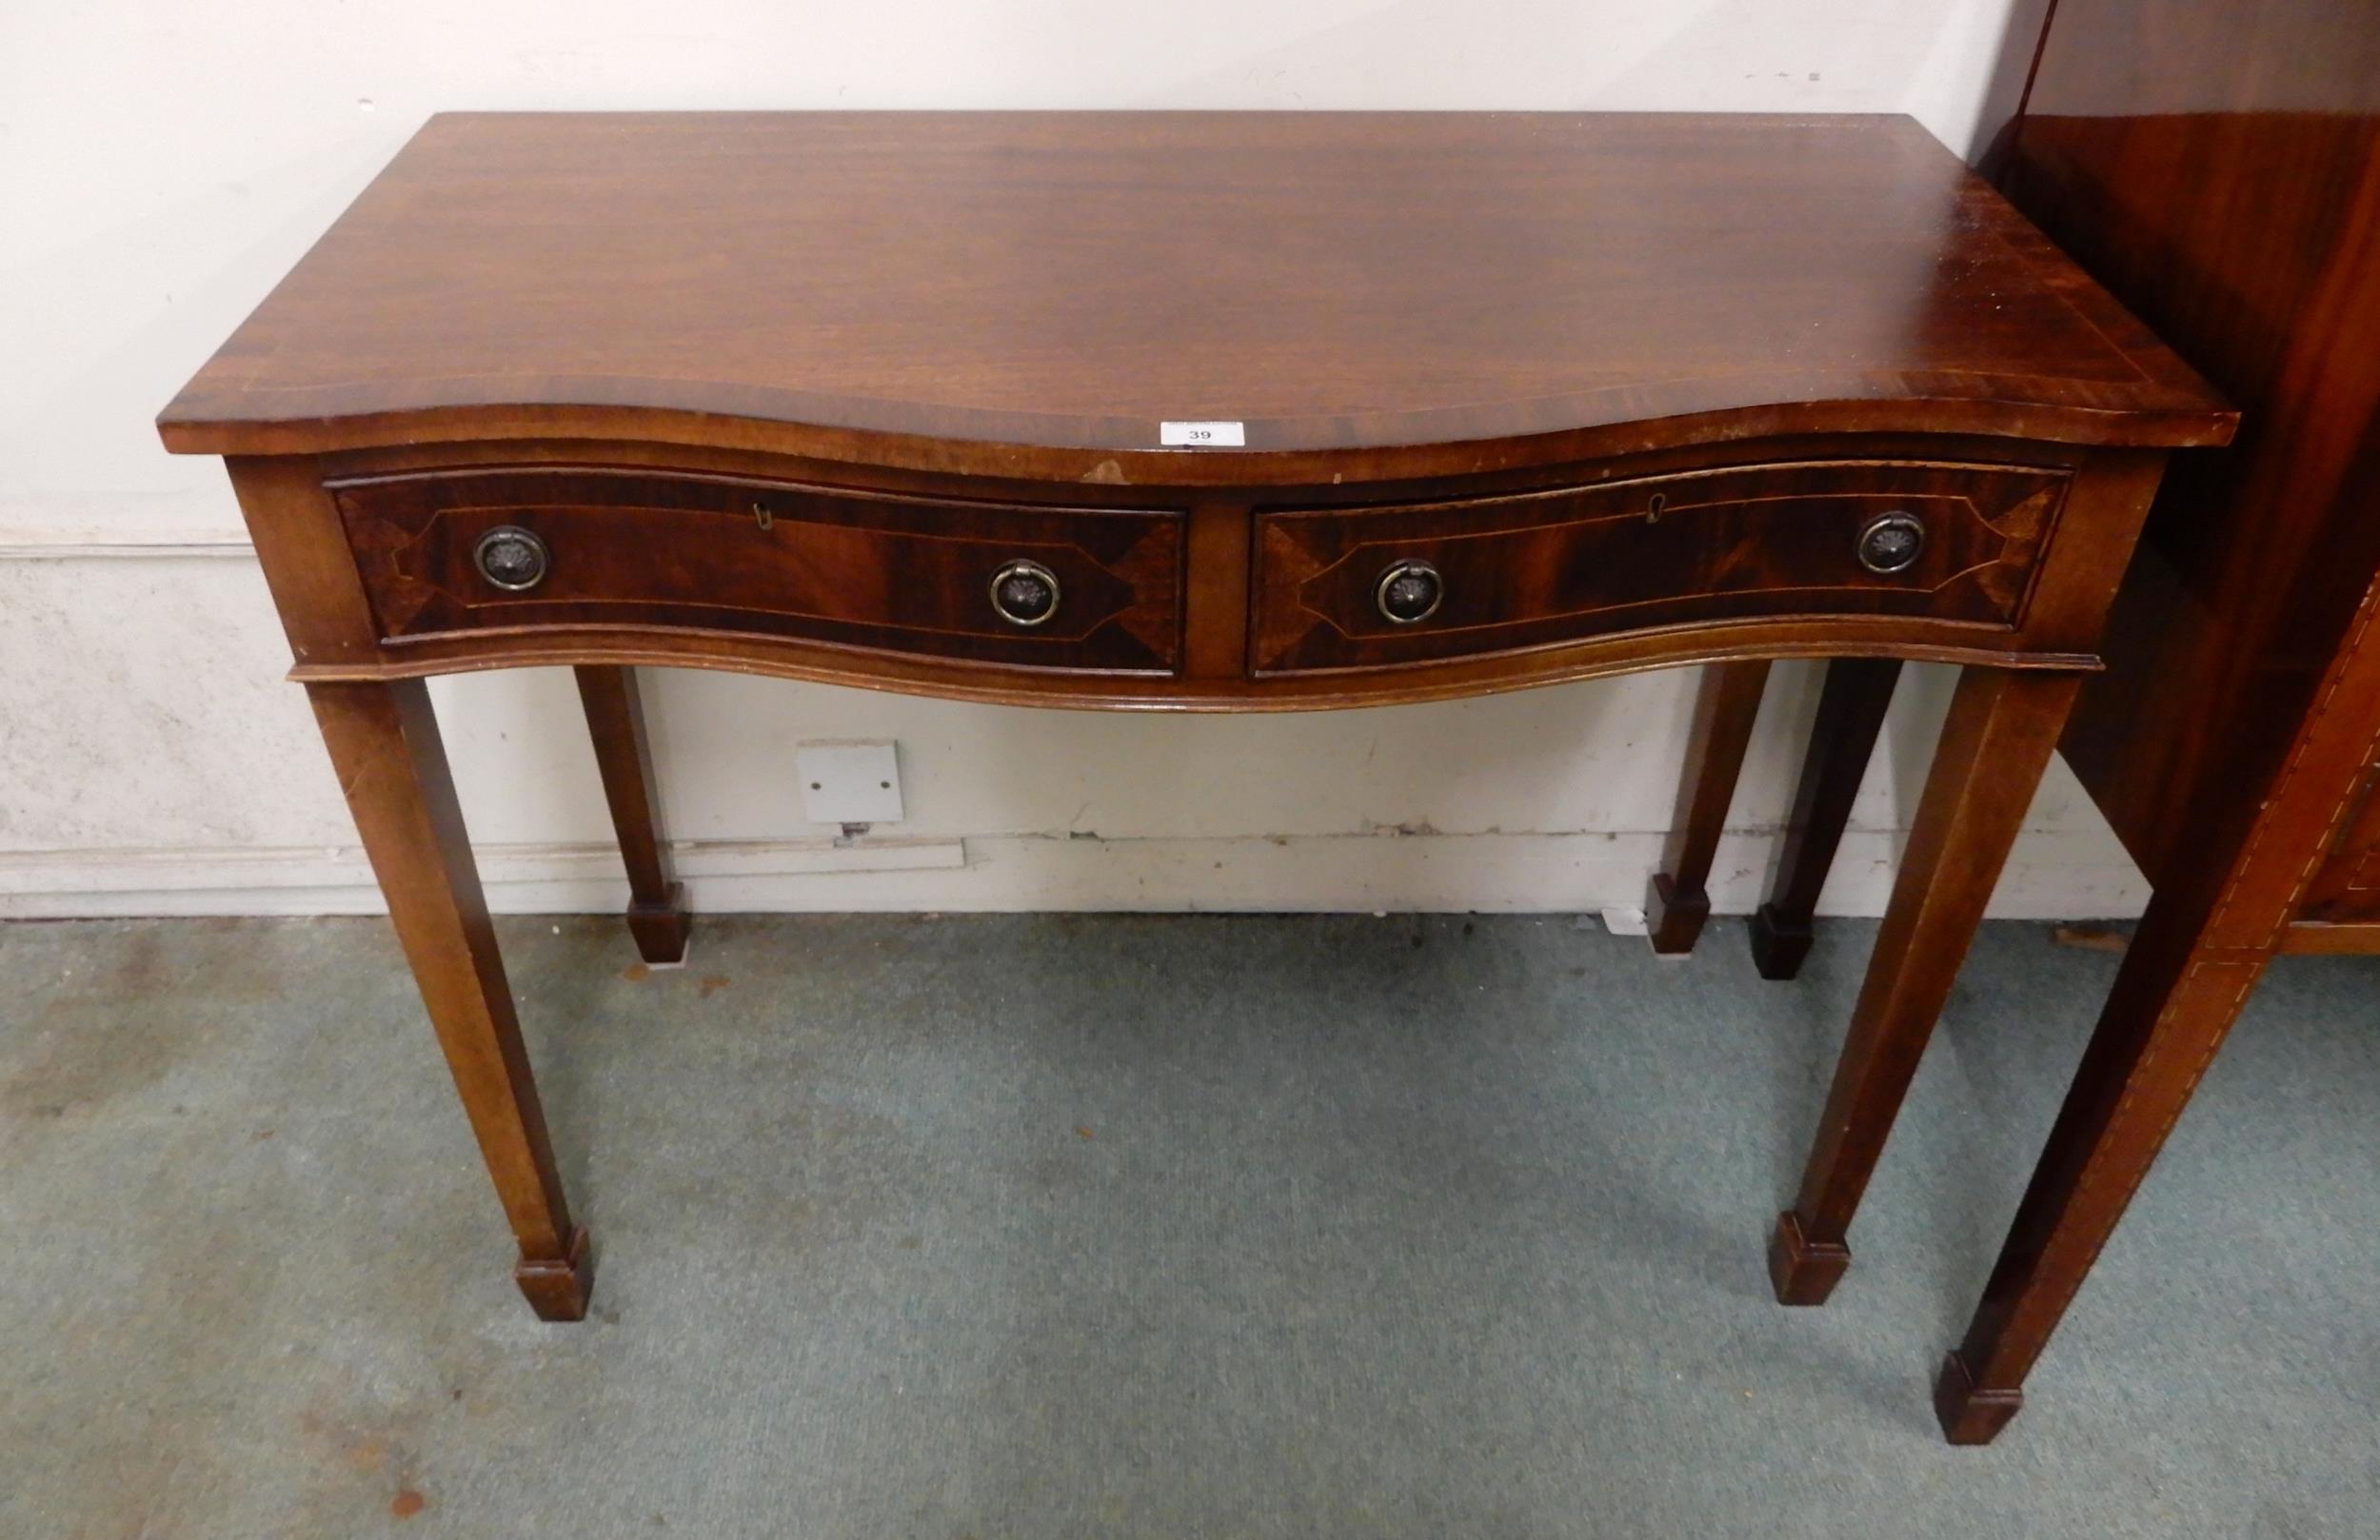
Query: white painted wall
x=159, y=167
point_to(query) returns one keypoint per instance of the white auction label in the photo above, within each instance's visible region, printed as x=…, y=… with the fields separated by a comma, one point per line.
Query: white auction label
x=1203, y=435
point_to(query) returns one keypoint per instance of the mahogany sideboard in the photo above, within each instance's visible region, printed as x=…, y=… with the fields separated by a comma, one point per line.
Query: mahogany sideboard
x=2217, y=166
x=1182, y=411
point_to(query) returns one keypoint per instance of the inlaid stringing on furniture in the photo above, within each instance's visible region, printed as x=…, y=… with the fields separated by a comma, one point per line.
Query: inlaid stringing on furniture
x=880, y=399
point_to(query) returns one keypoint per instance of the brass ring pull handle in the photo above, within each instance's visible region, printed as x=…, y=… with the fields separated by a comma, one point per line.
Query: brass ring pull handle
x=511, y=558
x=1025, y=593
x=1891, y=544
x=1409, y=592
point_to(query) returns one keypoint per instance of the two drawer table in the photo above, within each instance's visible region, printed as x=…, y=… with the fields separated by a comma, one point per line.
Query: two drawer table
x=1233, y=412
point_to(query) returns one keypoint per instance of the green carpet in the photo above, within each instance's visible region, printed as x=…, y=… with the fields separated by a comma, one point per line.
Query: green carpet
x=1050, y=1227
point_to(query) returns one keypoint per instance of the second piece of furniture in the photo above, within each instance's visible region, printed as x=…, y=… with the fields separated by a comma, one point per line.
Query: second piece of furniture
x=2218, y=167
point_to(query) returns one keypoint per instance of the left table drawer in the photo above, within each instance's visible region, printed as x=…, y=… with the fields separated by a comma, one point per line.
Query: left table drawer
x=1013, y=584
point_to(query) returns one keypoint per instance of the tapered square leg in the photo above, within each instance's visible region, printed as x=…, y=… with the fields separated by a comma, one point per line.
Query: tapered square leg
x=1842, y=741
x=2003, y=724
x=1674, y=920
x=660, y=929
x=385, y=744
x=1726, y=703
x=2176, y=996
x=1801, y=1271
x=1969, y=1412
x=559, y=1288
x=615, y=720
x=1780, y=942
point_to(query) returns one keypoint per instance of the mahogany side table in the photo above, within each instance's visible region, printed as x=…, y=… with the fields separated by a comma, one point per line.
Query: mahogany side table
x=1181, y=411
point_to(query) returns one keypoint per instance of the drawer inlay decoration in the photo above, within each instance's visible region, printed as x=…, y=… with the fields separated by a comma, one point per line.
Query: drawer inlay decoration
x=892, y=573
x=1542, y=568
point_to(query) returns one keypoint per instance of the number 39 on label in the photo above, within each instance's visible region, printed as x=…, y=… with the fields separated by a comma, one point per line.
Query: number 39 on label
x=1202, y=435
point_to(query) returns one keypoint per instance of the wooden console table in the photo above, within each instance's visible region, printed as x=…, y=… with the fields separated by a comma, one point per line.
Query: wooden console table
x=1221, y=412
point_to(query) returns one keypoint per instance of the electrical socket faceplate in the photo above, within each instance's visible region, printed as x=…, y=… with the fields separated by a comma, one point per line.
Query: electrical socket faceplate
x=848, y=782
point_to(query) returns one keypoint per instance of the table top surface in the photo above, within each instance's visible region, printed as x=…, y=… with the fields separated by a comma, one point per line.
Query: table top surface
x=1342, y=284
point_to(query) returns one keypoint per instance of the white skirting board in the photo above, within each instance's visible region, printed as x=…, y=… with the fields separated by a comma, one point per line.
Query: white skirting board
x=1527, y=873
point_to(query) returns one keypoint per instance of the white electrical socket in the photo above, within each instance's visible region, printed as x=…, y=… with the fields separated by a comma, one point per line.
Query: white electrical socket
x=848, y=782
x=1626, y=919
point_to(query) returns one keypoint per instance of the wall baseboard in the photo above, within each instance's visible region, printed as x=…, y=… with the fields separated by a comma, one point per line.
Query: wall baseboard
x=519, y=879
x=136, y=545
x=1351, y=873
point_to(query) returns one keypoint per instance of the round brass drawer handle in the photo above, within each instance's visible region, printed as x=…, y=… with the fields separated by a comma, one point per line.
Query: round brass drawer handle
x=1409, y=592
x=1025, y=593
x=1891, y=544
x=511, y=558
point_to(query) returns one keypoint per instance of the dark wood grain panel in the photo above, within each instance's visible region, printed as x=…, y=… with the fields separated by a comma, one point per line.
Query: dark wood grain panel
x=1372, y=294
x=2218, y=167
x=896, y=574
x=1545, y=568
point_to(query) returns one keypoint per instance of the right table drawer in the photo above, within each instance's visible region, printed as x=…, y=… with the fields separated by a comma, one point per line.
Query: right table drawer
x=1372, y=588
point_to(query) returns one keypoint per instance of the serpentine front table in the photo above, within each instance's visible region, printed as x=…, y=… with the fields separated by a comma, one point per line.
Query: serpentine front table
x=1235, y=412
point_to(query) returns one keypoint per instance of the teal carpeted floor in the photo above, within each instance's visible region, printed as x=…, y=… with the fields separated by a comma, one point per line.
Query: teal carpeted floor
x=1053, y=1227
